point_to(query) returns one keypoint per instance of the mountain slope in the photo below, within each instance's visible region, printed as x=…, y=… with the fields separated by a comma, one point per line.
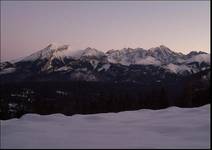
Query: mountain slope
x=90, y=64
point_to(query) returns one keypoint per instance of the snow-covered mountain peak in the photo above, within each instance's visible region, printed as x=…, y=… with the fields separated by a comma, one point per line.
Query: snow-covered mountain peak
x=92, y=52
x=111, y=51
x=164, y=54
x=161, y=49
x=89, y=48
x=52, y=50
x=54, y=55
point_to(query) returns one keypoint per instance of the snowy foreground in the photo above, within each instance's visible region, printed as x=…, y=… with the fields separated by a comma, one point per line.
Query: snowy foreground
x=167, y=128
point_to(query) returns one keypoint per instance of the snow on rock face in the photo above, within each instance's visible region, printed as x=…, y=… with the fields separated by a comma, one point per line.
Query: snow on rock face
x=177, y=68
x=76, y=54
x=94, y=63
x=91, y=52
x=166, y=128
x=126, y=56
x=148, y=61
x=194, y=53
x=163, y=54
x=114, y=56
x=180, y=60
x=153, y=56
x=105, y=67
x=200, y=58
x=64, y=68
x=48, y=52
x=175, y=62
x=7, y=71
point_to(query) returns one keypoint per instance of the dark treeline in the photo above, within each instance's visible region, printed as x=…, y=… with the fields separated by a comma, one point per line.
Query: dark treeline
x=97, y=97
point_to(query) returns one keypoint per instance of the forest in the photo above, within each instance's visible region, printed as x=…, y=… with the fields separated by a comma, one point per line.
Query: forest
x=68, y=97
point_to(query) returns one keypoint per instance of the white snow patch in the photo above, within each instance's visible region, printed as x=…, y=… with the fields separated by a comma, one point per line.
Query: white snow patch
x=166, y=128
x=105, y=67
x=148, y=61
x=51, y=50
x=76, y=54
x=125, y=62
x=64, y=68
x=180, y=60
x=200, y=58
x=177, y=68
x=90, y=52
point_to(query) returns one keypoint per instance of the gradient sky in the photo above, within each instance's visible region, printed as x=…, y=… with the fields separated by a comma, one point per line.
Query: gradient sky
x=29, y=26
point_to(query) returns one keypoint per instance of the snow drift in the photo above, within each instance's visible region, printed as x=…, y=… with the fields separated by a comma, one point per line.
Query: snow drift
x=166, y=128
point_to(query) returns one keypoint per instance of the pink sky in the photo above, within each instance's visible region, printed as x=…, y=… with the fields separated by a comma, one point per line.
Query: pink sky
x=26, y=27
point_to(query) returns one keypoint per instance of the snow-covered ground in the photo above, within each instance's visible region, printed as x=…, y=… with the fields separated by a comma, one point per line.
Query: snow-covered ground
x=166, y=128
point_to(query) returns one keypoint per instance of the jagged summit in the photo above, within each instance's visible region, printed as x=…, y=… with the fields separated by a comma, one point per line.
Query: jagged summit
x=52, y=50
x=125, y=56
x=164, y=54
x=158, y=56
x=90, y=64
x=92, y=52
x=192, y=53
x=161, y=48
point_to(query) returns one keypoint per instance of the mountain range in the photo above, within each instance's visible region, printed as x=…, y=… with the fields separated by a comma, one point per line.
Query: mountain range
x=52, y=80
x=158, y=64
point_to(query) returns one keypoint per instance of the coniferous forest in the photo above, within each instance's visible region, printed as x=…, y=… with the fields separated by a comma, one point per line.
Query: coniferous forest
x=19, y=98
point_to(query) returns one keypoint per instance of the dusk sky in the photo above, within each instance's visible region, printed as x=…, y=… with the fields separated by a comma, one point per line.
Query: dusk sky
x=27, y=27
